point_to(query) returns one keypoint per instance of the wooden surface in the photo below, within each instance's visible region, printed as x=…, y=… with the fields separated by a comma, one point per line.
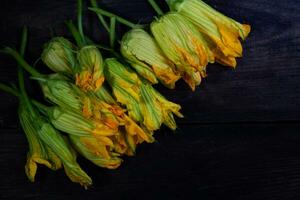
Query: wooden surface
x=240, y=138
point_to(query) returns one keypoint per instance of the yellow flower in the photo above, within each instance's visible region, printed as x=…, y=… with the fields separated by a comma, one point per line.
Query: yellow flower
x=64, y=151
x=90, y=70
x=143, y=53
x=59, y=56
x=165, y=108
x=222, y=32
x=38, y=153
x=68, y=95
x=96, y=152
x=134, y=130
x=181, y=42
x=143, y=103
x=73, y=123
x=125, y=87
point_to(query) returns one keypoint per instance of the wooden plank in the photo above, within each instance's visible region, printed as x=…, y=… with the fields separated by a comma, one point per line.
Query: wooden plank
x=247, y=161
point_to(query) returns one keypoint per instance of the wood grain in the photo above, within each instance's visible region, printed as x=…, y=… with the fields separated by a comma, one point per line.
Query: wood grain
x=214, y=161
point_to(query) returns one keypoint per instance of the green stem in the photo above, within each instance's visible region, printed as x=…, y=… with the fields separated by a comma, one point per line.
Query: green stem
x=112, y=32
x=41, y=106
x=103, y=47
x=100, y=17
x=119, y=19
x=21, y=73
x=9, y=90
x=79, y=20
x=156, y=7
x=20, y=60
x=75, y=33
x=23, y=41
x=16, y=93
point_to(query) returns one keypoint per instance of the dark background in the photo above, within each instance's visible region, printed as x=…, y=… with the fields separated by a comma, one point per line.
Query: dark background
x=240, y=138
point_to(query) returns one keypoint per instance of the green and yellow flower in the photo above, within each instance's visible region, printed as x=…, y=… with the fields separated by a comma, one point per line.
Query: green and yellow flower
x=184, y=45
x=138, y=97
x=222, y=32
x=89, y=75
x=96, y=151
x=143, y=53
x=64, y=151
x=39, y=153
x=157, y=109
x=94, y=139
x=125, y=86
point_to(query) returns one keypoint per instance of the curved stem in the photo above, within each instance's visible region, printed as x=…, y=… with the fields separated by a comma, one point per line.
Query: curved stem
x=156, y=7
x=119, y=19
x=9, y=90
x=20, y=60
x=75, y=33
x=23, y=41
x=79, y=20
x=100, y=17
x=112, y=32
x=24, y=96
x=41, y=106
x=16, y=93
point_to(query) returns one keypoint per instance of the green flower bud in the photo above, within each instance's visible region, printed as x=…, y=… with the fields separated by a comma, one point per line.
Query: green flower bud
x=59, y=56
x=142, y=51
x=62, y=93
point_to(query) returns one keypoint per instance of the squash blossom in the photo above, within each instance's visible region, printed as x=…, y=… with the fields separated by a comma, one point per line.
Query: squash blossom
x=94, y=136
x=67, y=95
x=184, y=45
x=157, y=109
x=73, y=123
x=222, y=32
x=62, y=92
x=89, y=75
x=38, y=153
x=65, y=53
x=143, y=53
x=125, y=86
x=58, y=55
x=95, y=151
x=181, y=42
x=136, y=95
x=64, y=151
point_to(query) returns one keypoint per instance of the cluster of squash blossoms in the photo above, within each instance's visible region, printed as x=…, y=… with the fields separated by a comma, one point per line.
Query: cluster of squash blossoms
x=102, y=108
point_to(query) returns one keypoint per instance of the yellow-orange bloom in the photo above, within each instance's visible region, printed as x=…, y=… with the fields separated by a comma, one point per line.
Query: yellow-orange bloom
x=184, y=45
x=144, y=54
x=221, y=32
x=90, y=69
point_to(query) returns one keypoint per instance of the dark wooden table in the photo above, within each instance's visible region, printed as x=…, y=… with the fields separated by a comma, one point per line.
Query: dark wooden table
x=239, y=139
